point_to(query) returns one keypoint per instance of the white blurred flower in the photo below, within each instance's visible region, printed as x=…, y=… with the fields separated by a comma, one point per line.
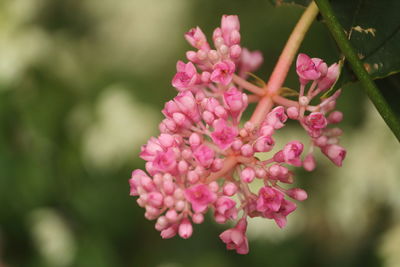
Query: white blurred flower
x=52, y=237
x=142, y=33
x=122, y=125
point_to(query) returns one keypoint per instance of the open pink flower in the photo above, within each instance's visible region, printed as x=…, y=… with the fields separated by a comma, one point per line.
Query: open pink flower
x=279, y=216
x=269, y=199
x=276, y=117
x=200, y=196
x=223, y=135
x=165, y=161
x=185, y=77
x=225, y=209
x=235, y=238
x=204, y=155
x=310, y=69
x=223, y=72
x=291, y=153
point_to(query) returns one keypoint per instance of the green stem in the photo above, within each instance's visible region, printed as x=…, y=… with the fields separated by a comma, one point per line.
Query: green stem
x=368, y=84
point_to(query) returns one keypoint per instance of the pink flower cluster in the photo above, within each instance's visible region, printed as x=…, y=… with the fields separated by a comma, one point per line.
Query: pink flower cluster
x=205, y=158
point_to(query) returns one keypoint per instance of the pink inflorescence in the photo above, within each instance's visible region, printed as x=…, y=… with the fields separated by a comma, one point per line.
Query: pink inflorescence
x=204, y=158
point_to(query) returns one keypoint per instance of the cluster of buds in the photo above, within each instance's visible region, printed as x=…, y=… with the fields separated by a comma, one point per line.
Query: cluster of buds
x=205, y=158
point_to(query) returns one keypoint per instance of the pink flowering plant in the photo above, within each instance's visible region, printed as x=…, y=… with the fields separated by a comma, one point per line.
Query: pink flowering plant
x=207, y=154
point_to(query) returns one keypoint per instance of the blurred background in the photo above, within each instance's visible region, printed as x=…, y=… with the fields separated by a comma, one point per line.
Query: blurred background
x=82, y=83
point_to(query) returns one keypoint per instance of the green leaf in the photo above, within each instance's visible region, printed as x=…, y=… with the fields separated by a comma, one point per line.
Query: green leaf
x=373, y=27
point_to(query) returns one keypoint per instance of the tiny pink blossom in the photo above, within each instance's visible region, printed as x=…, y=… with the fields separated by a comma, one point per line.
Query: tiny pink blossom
x=225, y=209
x=276, y=117
x=197, y=39
x=315, y=122
x=264, y=144
x=200, y=196
x=204, y=155
x=223, y=72
x=310, y=69
x=236, y=102
x=285, y=209
x=330, y=78
x=149, y=150
x=185, y=77
x=335, y=153
x=297, y=193
x=223, y=135
x=165, y=161
x=134, y=182
x=188, y=105
x=291, y=153
x=269, y=199
x=235, y=238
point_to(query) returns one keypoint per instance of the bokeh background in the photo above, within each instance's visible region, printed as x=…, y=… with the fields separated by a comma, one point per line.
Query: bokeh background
x=82, y=83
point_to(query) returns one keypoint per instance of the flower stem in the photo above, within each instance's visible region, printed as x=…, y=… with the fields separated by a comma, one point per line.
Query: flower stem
x=285, y=60
x=290, y=50
x=247, y=85
x=369, y=86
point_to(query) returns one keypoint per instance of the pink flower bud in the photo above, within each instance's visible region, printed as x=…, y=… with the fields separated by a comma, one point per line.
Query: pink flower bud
x=217, y=164
x=236, y=102
x=297, y=193
x=335, y=153
x=195, y=140
x=247, y=175
x=230, y=189
x=293, y=112
x=223, y=72
x=185, y=229
x=247, y=150
x=309, y=162
x=335, y=117
x=169, y=232
x=208, y=117
x=330, y=78
x=236, y=51
x=197, y=39
x=229, y=24
x=264, y=144
x=192, y=177
x=198, y=218
x=250, y=61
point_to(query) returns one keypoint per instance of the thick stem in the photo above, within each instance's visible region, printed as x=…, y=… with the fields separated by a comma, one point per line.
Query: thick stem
x=369, y=86
x=290, y=50
x=281, y=69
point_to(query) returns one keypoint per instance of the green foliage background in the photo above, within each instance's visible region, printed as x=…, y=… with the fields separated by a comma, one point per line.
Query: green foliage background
x=82, y=84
